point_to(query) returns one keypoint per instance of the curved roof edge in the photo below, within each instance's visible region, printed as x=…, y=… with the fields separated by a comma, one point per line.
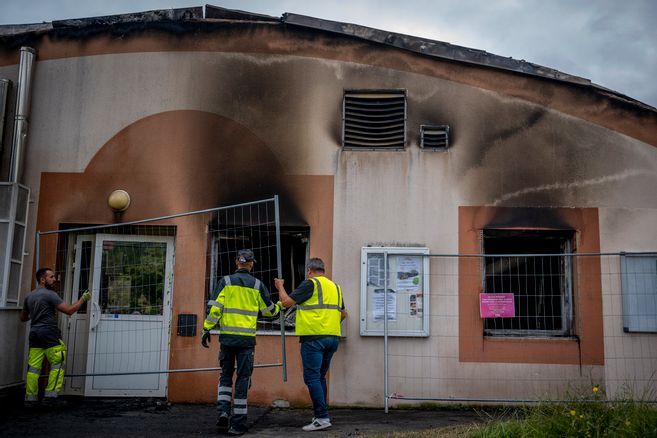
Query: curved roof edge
x=215, y=14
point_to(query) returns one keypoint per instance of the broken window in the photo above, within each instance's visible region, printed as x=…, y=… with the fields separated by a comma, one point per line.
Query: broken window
x=374, y=119
x=262, y=240
x=533, y=266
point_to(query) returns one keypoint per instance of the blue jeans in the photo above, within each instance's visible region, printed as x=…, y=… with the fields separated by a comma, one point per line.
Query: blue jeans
x=316, y=358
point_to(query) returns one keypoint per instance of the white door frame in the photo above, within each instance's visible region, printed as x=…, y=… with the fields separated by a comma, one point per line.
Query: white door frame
x=97, y=318
x=76, y=327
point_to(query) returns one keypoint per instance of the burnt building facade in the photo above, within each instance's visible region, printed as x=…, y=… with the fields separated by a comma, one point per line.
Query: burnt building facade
x=370, y=139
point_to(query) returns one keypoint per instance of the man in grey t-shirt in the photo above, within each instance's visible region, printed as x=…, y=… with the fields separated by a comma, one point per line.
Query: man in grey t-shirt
x=41, y=306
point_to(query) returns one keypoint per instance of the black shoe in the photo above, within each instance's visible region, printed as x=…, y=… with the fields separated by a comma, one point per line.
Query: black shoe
x=236, y=432
x=223, y=422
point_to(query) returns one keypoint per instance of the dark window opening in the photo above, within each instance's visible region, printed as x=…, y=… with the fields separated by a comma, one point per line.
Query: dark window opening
x=262, y=240
x=532, y=266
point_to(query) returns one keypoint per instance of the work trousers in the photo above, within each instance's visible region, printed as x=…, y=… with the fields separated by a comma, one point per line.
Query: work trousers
x=229, y=357
x=316, y=358
x=57, y=358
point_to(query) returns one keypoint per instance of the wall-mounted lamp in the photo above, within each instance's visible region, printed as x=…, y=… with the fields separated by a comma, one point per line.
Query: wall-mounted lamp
x=119, y=200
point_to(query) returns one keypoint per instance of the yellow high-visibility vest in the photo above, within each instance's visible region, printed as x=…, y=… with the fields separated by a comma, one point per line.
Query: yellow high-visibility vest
x=236, y=309
x=321, y=313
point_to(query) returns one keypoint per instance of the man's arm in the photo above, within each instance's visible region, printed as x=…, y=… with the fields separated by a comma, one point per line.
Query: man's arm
x=70, y=309
x=214, y=313
x=25, y=315
x=267, y=307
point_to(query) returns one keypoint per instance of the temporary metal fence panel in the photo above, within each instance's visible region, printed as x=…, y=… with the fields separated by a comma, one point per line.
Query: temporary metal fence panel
x=523, y=328
x=136, y=271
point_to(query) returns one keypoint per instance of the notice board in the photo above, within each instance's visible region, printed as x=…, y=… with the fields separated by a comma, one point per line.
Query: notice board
x=394, y=285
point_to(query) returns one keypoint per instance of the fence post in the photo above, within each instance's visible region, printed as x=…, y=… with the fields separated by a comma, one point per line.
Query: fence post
x=385, y=330
x=279, y=274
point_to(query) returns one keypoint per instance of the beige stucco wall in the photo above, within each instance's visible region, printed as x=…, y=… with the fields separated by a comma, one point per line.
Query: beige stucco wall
x=505, y=152
x=630, y=230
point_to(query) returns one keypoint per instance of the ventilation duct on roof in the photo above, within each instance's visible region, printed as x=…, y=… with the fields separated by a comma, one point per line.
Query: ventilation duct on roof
x=374, y=119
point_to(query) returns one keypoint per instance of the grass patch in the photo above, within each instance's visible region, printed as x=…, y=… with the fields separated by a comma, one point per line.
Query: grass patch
x=578, y=419
x=592, y=416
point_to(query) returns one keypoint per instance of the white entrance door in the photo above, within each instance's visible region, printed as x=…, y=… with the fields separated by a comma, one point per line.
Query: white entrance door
x=130, y=316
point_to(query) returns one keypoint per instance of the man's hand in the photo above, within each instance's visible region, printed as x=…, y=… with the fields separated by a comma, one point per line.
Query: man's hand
x=86, y=296
x=279, y=282
x=205, y=339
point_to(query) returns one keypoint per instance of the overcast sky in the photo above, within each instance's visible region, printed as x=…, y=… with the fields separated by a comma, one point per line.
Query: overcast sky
x=611, y=42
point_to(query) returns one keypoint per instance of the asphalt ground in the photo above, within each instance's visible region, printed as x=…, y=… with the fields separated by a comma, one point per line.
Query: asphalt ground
x=83, y=417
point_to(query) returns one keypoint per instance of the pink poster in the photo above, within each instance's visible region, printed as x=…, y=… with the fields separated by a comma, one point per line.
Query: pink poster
x=496, y=306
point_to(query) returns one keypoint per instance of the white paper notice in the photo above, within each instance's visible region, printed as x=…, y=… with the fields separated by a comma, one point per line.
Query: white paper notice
x=378, y=304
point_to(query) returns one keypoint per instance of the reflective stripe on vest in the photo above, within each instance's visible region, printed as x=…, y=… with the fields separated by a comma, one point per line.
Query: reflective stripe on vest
x=321, y=313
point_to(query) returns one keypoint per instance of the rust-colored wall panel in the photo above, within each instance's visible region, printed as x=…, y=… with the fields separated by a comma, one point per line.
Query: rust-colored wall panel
x=183, y=161
x=587, y=292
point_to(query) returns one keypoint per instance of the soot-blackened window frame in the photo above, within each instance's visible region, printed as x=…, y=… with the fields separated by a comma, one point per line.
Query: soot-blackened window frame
x=294, y=249
x=374, y=119
x=536, y=267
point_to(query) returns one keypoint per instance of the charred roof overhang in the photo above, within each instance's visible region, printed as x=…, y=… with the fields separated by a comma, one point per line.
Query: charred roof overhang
x=193, y=19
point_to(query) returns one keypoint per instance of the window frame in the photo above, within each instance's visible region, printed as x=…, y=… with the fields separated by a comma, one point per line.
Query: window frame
x=565, y=285
x=636, y=317
x=11, y=280
x=289, y=233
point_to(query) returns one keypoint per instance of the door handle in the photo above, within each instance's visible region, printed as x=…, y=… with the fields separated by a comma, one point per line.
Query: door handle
x=95, y=315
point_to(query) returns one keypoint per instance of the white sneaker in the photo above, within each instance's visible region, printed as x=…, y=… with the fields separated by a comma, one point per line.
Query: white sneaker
x=317, y=424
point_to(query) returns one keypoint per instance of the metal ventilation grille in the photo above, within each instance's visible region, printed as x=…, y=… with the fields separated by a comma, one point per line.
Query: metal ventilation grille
x=374, y=119
x=434, y=136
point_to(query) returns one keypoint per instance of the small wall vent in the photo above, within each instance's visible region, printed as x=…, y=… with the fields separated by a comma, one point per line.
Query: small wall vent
x=374, y=119
x=434, y=137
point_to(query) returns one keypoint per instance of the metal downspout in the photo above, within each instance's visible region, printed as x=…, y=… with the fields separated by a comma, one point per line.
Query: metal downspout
x=24, y=87
x=4, y=97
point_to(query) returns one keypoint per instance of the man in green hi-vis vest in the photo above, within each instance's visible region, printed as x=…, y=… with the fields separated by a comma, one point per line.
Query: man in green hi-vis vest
x=234, y=310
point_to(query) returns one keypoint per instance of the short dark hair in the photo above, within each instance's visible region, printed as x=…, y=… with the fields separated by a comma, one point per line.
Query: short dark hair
x=41, y=273
x=316, y=264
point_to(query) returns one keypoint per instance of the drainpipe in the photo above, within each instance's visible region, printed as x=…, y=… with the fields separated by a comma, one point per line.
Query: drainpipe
x=25, y=68
x=4, y=95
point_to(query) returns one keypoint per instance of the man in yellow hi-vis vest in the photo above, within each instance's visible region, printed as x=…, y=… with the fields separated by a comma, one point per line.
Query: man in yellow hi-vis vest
x=320, y=309
x=234, y=308
x=40, y=307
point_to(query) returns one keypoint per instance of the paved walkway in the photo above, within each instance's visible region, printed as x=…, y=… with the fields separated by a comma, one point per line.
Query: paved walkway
x=148, y=417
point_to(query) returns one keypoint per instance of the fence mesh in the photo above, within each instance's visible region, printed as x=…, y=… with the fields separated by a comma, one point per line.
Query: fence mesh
x=522, y=327
x=501, y=327
x=133, y=327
